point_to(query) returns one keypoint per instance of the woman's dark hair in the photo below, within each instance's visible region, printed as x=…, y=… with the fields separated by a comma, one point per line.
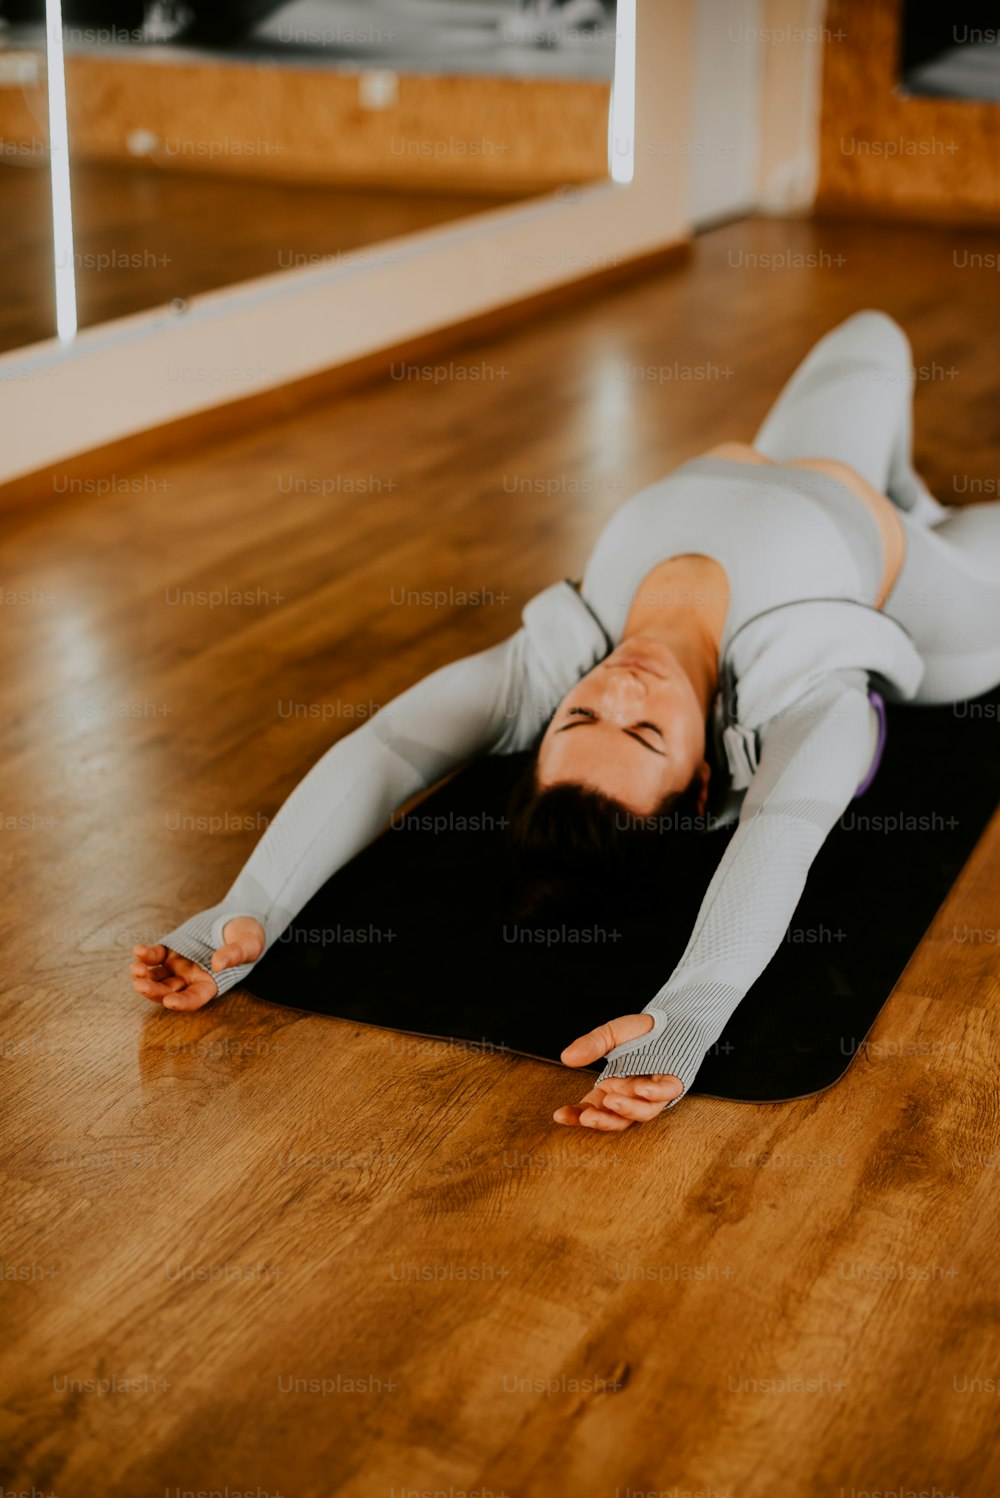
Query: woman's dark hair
x=576, y=855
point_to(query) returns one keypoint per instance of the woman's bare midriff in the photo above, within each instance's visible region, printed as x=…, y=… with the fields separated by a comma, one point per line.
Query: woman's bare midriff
x=882, y=510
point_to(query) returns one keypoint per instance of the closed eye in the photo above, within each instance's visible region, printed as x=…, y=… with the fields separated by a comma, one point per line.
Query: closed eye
x=583, y=715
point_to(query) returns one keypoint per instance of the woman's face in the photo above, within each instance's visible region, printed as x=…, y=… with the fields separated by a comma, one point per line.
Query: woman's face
x=632, y=728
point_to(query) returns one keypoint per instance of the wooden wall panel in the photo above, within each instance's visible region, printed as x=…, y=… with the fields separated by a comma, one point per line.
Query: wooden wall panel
x=888, y=153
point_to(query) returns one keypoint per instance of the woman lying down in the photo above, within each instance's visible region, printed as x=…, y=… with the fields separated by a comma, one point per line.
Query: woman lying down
x=739, y=609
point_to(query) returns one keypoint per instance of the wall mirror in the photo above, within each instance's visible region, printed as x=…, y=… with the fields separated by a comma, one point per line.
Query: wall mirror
x=211, y=142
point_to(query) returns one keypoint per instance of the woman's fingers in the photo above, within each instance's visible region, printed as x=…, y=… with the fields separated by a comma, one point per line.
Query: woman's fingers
x=616, y=1102
x=165, y=977
x=597, y=1043
x=231, y=955
x=150, y=972
x=196, y=993
x=151, y=979
x=151, y=954
x=591, y=1118
x=603, y=1122
x=660, y=1088
x=150, y=989
x=589, y=1113
x=245, y=934
x=632, y=1107
x=159, y=980
x=573, y=1110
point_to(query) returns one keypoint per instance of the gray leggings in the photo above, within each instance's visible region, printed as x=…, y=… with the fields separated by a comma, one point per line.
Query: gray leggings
x=851, y=400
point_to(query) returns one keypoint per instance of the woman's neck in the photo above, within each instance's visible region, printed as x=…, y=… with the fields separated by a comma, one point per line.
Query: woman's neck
x=682, y=603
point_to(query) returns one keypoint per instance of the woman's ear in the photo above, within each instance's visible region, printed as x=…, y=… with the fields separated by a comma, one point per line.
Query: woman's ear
x=703, y=774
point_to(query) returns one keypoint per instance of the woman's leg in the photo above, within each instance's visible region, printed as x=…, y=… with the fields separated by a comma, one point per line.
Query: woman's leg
x=851, y=399
x=947, y=596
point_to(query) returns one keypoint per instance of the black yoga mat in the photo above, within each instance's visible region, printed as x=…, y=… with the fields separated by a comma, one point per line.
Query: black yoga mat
x=406, y=935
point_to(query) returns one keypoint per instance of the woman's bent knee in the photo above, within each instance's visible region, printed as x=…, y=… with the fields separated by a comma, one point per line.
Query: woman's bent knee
x=881, y=332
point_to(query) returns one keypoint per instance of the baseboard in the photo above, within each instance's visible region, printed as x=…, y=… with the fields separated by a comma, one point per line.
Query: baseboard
x=219, y=422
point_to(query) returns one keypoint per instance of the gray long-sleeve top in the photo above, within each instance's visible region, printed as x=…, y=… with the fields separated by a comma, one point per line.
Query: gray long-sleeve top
x=793, y=719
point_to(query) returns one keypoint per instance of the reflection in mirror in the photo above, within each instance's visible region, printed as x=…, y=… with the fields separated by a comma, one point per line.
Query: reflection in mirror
x=215, y=141
x=945, y=60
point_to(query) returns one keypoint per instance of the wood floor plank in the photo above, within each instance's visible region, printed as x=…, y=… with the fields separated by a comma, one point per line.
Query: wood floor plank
x=335, y=1259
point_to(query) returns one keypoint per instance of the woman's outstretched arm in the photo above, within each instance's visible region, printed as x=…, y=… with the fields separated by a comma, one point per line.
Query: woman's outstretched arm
x=457, y=712
x=813, y=758
x=495, y=701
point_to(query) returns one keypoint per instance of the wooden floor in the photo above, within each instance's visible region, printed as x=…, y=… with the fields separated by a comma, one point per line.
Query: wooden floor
x=306, y=1257
x=146, y=236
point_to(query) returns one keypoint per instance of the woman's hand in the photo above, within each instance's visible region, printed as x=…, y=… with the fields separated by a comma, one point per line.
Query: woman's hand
x=165, y=977
x=616, y=1102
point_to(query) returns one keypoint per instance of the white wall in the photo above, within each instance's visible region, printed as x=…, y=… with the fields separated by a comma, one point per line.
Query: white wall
x=792, y=95
x=724, y=135
x=754, y=132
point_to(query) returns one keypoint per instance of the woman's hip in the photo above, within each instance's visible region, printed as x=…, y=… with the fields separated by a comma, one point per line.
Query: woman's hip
x=947, y=598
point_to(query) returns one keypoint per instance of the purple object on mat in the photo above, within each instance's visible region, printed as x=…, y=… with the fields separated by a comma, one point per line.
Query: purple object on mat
x=876, y=700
